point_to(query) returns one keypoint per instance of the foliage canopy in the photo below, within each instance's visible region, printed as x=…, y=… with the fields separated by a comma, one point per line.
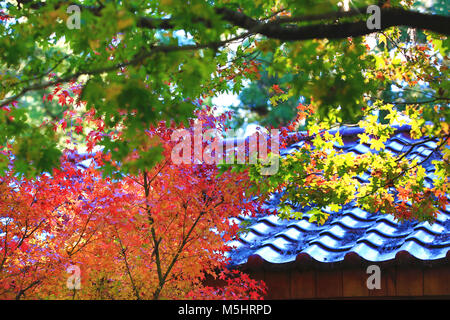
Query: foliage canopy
x=136, y=70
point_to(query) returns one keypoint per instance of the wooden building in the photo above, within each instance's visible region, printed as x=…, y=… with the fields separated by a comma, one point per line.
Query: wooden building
x=403, y=277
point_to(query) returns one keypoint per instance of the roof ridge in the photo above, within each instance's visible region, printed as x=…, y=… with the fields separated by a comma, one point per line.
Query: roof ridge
x=345, y=131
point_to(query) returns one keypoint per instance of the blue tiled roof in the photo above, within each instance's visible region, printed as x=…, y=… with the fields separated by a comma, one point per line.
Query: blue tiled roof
x=372, y=237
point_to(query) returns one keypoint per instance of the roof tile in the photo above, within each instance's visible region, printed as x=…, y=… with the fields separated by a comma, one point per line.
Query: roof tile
x=350, y=232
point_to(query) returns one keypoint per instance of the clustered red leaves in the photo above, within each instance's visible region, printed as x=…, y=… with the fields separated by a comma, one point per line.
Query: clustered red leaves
x=49, y=221
x=164, y=229
x=249, y=69
x=303, y=112
x=3, y=16
x=238, y=286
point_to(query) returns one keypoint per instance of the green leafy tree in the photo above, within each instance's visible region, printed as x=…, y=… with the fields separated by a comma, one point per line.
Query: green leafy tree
x=261, y=98
x=152, y=59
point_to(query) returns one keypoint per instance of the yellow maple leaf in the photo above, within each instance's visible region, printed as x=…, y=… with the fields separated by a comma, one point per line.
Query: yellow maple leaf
x=376, y=144
x=445, y=127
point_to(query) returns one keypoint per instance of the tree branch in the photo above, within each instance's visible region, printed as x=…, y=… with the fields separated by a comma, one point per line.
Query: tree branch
x=123, y=251
x=389, y=17
x=23, y=291
x=136, y=60
x=175, y=257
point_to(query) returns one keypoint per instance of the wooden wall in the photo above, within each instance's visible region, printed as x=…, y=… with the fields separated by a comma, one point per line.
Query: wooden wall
x=350, y=282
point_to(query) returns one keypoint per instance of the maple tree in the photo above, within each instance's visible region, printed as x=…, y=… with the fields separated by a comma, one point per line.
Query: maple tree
x=144, y=227
x=155, y=234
